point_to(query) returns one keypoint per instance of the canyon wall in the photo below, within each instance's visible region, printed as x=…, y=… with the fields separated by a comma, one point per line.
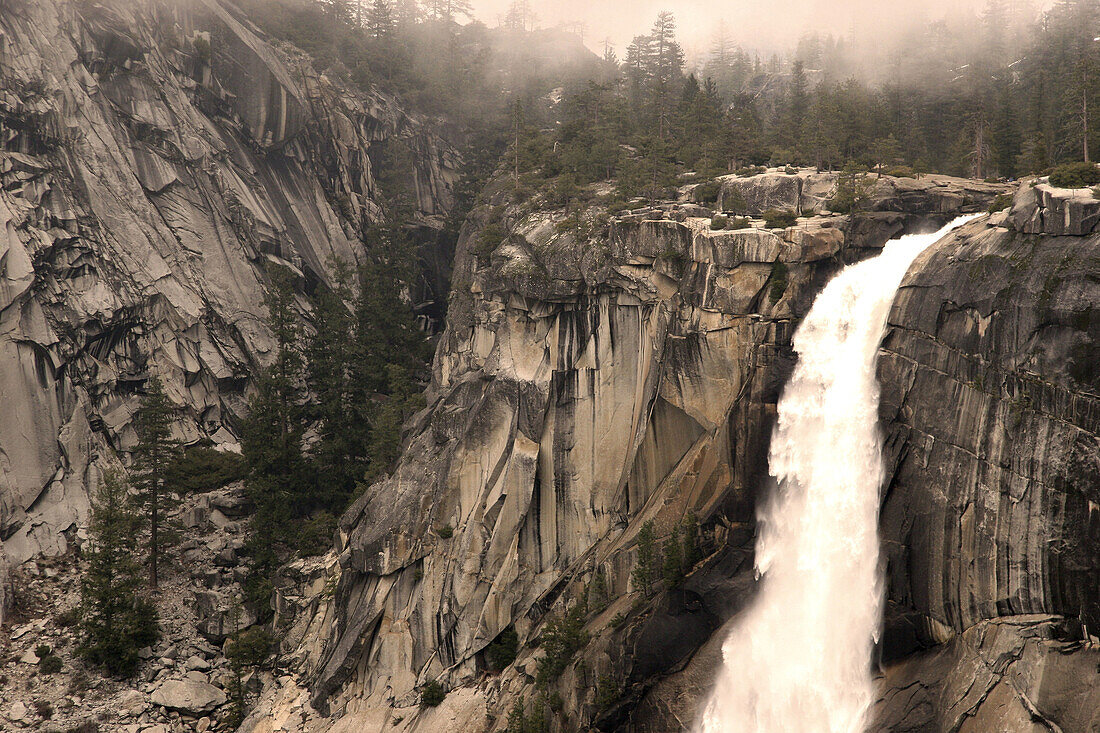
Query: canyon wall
x=157, y=159
x=991, y=512
x=591, y=380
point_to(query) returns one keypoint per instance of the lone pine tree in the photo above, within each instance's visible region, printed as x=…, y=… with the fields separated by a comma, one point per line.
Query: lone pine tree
x=154, y=454
x=116, y=620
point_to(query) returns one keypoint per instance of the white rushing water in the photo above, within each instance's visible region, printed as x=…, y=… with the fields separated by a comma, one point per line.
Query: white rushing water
x=799, y=658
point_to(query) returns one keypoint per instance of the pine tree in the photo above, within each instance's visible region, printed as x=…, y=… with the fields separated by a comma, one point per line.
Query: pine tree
x=448, y=10
x=406, y=13
x=116, y=620
x=271, y=440
x=673, y=554
x=339, y=407
x=154, y=454
x=380, y=19
x=648, y=564
x=520, y=16
x=666, y=63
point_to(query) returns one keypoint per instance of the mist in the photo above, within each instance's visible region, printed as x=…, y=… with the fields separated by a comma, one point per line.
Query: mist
x=760, y=27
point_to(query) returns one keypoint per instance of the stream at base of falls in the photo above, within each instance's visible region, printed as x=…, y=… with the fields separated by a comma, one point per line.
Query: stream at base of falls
x=798, y=659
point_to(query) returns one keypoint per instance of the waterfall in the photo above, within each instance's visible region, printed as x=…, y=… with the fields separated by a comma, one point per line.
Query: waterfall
x=798, y=659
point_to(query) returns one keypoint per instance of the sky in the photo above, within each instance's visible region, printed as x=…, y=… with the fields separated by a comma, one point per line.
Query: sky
x=755, y=24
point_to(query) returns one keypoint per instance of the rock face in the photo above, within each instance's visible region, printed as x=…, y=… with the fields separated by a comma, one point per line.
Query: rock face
x=585, y=386
x=1014, y=674
x=807, y=192
x=991, y=401
x=157, y=159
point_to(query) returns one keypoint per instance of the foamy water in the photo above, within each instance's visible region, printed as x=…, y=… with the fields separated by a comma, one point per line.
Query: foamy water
x=799, y=658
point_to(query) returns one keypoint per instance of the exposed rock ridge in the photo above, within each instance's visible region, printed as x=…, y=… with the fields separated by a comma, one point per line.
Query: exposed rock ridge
x=157, y=158
x=807, y=192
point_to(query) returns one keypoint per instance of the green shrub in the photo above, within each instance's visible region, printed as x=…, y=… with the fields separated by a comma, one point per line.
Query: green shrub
x=315, y=534
x=488, y=239
x=202, y=49
x=502, y=651
x=49, y=664
x=778, y=281
x=249, y=648
x=1001, y=202
x=779, y=218
x=43, y=708
x=900, y=171
x=445, y=532
x=202, y=467
x=719, y=221
x=608, y=692
x=42, y=651
x=65, y=619
x=1075, y=175
x=707, y=193
x=739, y=222
x=537, y=721
x=432, y=695
x=562, y=638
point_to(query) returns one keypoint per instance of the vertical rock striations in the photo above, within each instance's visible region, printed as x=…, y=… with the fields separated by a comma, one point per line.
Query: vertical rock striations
x=590, y=380
x=156, y=159
x=991, y=401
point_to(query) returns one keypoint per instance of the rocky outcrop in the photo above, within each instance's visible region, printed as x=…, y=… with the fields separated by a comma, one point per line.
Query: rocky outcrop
x=591, y=379
x=157, y=159
x=1040, y=208
x=808, y=191
x=1020, y=673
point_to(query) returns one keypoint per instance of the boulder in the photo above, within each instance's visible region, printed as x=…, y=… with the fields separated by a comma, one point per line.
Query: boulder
x=188, y=696
x=753, y=195
x=18, y=712
x=131, y=703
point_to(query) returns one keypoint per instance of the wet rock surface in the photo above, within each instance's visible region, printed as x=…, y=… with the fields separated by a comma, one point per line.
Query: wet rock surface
x=991, y=402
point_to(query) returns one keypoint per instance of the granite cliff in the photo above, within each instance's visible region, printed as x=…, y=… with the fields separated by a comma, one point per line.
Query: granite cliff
x=157, y=158
x=592, y=379
x=989, y=517
x=600, y=377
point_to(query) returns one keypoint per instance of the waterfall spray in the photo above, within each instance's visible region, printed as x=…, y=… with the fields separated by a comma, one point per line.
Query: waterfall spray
x=799, y=658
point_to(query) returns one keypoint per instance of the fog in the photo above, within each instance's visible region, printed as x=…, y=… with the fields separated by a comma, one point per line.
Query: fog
x=761, y=26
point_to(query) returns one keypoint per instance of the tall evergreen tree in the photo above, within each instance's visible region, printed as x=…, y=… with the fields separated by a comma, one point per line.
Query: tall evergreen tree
x=666, y=62
x=153, y=455
x=116, y=620
x=271, y=439
x=449, y=10
x=380, y=19
x=406, y=13
x=520, y=16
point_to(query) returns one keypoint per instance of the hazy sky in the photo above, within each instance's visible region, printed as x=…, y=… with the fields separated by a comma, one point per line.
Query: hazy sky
x=751, y=22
